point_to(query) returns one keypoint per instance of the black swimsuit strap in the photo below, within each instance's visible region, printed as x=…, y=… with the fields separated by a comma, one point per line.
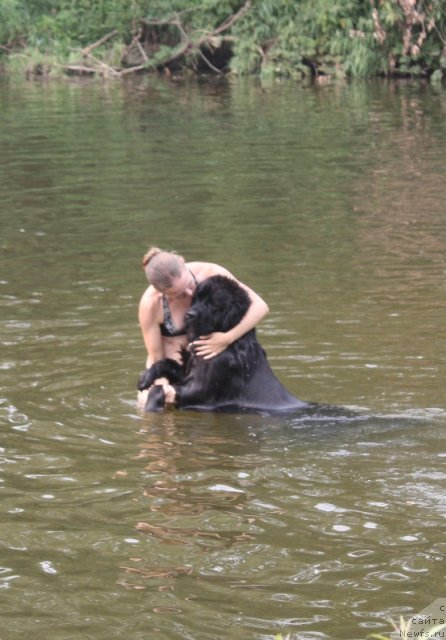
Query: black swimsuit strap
x=193, y=276
x=167, y=327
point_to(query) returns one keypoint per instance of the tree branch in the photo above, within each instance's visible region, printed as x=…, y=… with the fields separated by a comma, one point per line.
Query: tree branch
x=90, y=48
x=230, y=21
x=206, y=37
x=209, y=64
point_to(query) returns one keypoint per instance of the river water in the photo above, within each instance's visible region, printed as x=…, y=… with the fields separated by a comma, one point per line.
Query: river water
x=330, y=202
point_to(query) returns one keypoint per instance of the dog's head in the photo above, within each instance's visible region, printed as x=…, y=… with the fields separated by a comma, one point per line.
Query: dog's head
x=219, y=303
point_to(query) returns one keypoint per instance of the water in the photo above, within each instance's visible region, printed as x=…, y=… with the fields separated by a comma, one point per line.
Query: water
x=328, y=201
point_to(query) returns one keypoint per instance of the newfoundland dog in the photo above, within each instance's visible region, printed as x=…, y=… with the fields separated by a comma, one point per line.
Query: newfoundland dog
x=237, y=380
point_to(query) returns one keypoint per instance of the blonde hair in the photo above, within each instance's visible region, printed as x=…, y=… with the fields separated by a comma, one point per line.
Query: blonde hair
x=161, y=267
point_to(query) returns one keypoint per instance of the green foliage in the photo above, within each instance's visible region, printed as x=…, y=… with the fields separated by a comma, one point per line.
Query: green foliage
x=316, y=31
x=63, y=23
x=352, y=37
x=296, y=38
x=13, y=21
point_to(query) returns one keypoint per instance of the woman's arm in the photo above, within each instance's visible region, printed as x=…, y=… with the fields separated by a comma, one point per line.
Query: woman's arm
x=148, y=321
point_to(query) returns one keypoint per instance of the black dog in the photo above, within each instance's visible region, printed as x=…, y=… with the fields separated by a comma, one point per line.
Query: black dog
x=237, y=380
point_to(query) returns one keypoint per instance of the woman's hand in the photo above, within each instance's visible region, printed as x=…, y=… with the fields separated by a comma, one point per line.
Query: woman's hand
x=169, y=394
x=210, y=346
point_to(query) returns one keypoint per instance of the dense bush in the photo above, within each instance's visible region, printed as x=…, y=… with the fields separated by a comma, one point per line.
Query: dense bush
x=352, y=37
x=297, y=38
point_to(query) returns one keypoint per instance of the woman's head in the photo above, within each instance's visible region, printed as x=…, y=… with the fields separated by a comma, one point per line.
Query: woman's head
x=162, y=268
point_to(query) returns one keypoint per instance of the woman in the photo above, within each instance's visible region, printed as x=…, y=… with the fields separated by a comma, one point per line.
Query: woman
x=165, y=302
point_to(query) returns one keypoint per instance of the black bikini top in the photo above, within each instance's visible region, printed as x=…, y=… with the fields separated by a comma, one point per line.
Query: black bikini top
x=167, y=327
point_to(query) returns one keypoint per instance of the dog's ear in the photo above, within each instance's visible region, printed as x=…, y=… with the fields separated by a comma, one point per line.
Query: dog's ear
x=220, y=303
x=231, y=317
x=237, y=304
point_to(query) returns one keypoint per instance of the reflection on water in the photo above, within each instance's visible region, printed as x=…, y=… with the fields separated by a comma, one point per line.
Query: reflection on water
x=329, y=202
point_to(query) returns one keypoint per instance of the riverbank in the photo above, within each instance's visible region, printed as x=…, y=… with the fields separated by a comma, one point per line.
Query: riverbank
x=301, y=41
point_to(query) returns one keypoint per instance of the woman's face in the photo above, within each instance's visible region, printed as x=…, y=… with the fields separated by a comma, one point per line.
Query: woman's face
x=183, y=286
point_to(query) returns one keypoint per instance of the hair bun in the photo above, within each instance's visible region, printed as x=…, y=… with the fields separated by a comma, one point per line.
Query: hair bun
x=151, y=253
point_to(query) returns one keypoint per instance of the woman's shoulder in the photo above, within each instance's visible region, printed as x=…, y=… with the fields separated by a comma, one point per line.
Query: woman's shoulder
x=150, y=301
x=202, y=270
